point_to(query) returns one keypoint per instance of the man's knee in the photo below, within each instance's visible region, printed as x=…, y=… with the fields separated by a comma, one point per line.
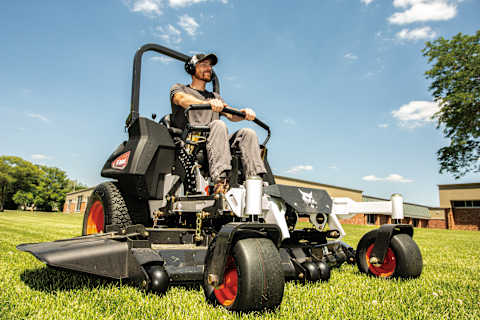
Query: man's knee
x=248, y=133
x=217, y=125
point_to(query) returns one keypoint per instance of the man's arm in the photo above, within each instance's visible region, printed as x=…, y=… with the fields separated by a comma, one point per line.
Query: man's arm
x=249, y=114
x=185, y=100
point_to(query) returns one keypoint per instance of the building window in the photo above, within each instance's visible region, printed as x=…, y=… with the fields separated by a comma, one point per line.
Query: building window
x=79, y=203
x=466, y=204
x=370, y=219
x=415, y=223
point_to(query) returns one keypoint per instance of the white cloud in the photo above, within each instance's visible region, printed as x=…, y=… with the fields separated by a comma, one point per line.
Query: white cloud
x=38, y=116
x=169, y=34
x=416, y=34
x=366, y=2
x=188, y=24
x=333, y=167
x=183, y=3
x=300, y=168
x=147, y=7
x=392, y=178
x=187, y=3
x=397, y=178
x=350, y=56
x=289, y=121
x=162, y=59
x=422, y=10
x=383, y=125
x=416, y=113
x=371, y=178
x=40, y=157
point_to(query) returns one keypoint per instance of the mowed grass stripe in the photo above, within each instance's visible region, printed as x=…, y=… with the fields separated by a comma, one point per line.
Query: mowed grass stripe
x=448, y=288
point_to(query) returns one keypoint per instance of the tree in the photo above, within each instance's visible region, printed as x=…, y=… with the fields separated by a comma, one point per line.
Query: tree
x=6, y=180
x=455, y=87
x=23, y=183
x=24, y=199
x=16, y=174
x=52, y=189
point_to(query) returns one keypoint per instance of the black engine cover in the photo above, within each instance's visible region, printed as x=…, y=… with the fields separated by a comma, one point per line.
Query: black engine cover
x=141, y=163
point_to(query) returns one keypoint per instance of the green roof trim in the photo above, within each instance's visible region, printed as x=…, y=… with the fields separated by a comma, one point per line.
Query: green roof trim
x=410, y=210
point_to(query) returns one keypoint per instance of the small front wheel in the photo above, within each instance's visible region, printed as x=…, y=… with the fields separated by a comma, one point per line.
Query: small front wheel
x=402, y=260
x=253, y=278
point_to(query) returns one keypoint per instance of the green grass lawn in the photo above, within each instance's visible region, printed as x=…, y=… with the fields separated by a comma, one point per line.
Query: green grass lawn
x=449, y=287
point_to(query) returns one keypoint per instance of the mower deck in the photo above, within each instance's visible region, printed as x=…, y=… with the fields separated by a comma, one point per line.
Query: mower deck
x=124, y=253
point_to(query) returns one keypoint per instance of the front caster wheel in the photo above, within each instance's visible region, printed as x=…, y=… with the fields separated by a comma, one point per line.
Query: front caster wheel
x=253, y=278
x=158, y=279
x=402, y=260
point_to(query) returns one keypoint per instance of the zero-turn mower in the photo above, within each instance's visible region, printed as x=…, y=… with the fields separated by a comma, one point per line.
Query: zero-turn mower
x=158, y=223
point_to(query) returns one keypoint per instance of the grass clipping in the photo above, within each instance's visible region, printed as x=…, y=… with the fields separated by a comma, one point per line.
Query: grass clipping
x=449, y=287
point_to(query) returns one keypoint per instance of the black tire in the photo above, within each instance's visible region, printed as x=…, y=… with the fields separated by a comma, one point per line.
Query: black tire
x=403, y=259
x=260, y=277
x=107, y=197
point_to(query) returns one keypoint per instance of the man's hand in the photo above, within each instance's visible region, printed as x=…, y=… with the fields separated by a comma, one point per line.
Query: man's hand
x=217, y=105
x=249, y=114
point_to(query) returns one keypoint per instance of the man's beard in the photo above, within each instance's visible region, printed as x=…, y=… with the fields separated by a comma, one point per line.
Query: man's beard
x=204, y=77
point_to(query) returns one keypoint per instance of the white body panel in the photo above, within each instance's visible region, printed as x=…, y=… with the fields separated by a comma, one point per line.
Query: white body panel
x=253, y=196
x=276, y=215
x=347, y=208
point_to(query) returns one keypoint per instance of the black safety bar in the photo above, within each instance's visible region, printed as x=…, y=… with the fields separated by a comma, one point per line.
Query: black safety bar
x=232, y=112
x=137, y=68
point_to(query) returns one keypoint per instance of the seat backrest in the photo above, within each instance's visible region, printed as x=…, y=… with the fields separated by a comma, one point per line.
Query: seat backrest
x=167, y=122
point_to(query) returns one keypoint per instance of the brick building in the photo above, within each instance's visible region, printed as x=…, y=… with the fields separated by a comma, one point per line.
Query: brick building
x=462, y=204
x=77, y=201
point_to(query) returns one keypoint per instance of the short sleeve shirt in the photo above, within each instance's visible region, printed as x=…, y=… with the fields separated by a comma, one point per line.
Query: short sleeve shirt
x=197, y=117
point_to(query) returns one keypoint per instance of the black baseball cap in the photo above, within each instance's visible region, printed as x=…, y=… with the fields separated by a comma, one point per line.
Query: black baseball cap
x=201, y=57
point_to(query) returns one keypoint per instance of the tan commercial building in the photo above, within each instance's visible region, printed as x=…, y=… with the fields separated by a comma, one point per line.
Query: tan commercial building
x=462, y=202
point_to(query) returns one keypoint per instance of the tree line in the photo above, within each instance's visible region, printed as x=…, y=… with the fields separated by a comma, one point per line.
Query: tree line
x=27, y=185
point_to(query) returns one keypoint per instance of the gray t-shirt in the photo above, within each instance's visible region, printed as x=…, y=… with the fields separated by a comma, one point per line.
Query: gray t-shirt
x=197, y=117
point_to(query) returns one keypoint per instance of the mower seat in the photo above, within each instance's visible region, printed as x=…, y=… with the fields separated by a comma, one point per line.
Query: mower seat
x=166, y=121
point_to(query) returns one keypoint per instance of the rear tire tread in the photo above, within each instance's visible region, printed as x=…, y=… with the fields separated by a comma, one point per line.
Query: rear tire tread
x=115, y=209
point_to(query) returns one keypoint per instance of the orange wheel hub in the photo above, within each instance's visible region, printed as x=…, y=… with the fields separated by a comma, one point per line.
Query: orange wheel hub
x=387, y=268
x=227, y=292
x=96, y=218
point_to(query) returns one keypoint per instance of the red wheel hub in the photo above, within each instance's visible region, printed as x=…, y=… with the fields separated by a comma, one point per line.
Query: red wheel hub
x=96, y=218
x=387, y=268
x=227, y=292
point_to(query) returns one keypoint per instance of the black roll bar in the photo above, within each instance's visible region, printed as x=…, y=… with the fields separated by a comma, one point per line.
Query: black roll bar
x=137, y=69
x=233, y=112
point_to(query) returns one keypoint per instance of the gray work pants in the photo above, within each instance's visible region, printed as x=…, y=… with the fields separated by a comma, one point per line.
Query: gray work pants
x=218, y=150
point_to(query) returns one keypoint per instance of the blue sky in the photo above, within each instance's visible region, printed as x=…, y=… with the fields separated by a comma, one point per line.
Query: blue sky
x=340, y=82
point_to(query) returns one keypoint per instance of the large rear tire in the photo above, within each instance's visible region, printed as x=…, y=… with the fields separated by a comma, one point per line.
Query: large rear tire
x=105, y=206
x=403, y=258
x=253, y=278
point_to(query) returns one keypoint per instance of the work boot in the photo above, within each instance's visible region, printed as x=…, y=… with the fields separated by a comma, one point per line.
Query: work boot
x=221, y=186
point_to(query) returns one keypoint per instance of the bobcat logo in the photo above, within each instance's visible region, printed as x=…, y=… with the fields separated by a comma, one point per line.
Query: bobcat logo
x=308, y=199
